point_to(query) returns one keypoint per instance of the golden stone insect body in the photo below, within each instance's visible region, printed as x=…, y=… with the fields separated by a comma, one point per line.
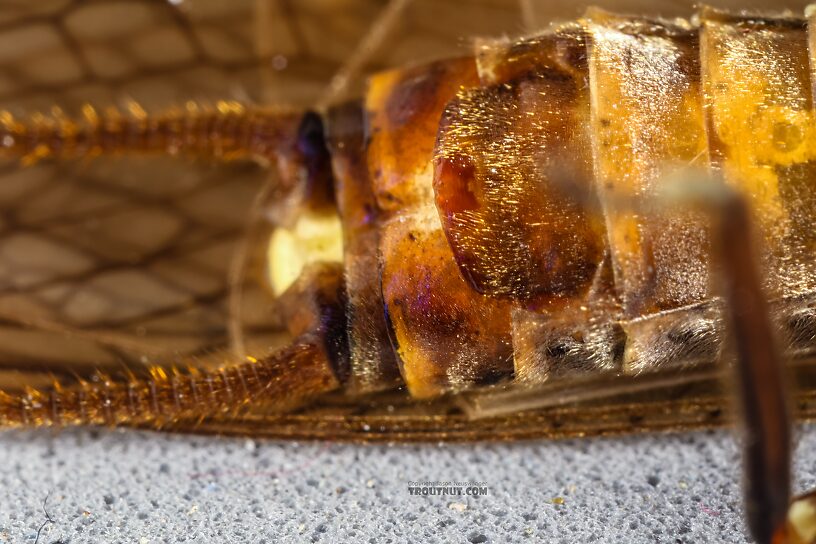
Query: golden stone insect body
x=500, y=217
x=509, y=244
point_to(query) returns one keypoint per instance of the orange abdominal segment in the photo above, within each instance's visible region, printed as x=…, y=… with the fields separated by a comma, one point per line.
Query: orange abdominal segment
x=447, y=336
x=403, y=108
x=649, y=138
x=513, y=180
x=762, y=135
x=647, y=123
x=515, y=191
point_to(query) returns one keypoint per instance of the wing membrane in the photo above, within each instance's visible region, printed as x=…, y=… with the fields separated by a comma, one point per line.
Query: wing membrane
x=121, y=272
x=117, y=262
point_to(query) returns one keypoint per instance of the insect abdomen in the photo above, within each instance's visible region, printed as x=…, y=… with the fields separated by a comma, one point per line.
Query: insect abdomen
x=552, y=176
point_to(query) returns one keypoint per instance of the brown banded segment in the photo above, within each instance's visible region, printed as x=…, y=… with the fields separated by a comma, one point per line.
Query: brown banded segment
x=447, y=336
x=647, y=121
x=762, y=131
x=403, y=109
x=514, y=186
x=513, y=177
x=373, y=364
x=229, y=131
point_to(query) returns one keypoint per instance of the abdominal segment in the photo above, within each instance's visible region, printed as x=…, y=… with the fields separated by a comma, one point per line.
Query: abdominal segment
x=373, y=362
x=447, y=336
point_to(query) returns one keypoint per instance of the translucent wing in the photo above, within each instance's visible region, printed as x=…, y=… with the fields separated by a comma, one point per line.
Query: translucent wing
x=114, y=261
x=139, y=266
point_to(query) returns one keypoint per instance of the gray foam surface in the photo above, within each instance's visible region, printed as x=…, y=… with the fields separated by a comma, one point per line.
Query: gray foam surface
x=127, y=486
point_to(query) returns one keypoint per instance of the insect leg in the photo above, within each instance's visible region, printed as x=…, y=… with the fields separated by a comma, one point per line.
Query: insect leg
x=759, y=374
